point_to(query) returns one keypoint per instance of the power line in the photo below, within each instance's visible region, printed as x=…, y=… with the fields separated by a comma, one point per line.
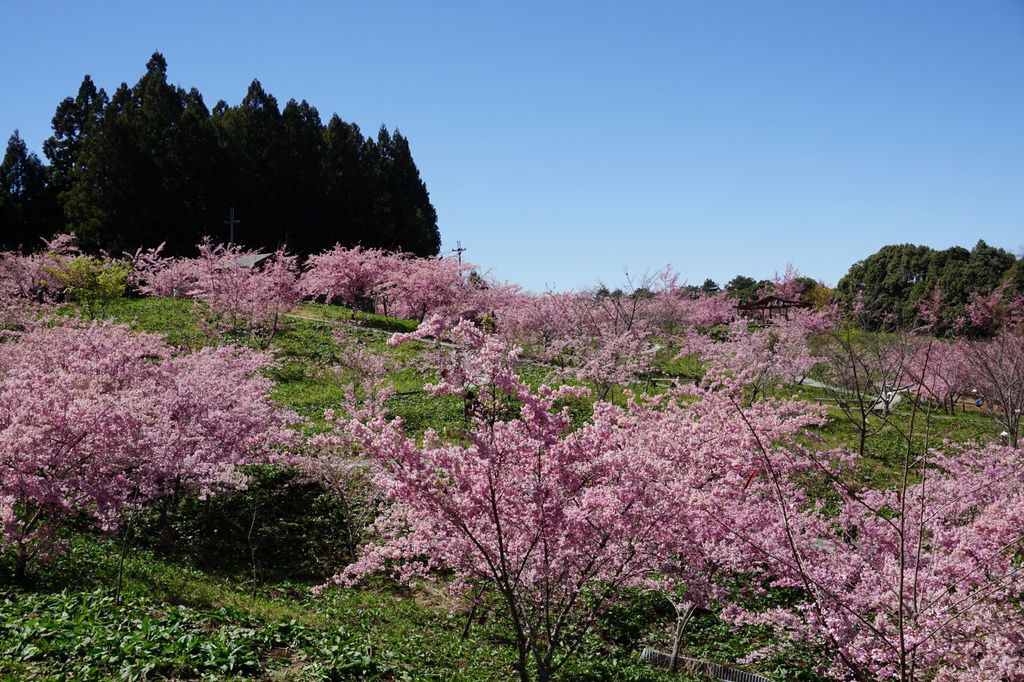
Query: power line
x=458, y=250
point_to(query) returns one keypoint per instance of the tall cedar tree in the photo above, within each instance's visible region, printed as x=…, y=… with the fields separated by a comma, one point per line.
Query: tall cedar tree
x=152, y=163
x=27, y=200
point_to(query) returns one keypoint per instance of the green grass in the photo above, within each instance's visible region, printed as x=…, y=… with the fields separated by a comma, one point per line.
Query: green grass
x=333, y=313
x=172, y=317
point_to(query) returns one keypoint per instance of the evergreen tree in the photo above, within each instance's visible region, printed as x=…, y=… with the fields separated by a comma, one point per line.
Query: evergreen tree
x=252, y=135
x=303, y=187
x=414, y=220
x=74, y=119
x=743, y=288
x=28, y=207
x=153, y=164
x=710, y=286
x=346, y=175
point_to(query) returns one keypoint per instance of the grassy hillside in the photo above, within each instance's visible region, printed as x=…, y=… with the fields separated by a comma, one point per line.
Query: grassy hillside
x=220, y=588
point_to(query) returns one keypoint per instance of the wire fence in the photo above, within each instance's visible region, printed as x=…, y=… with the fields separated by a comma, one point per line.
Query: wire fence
x=695, y=665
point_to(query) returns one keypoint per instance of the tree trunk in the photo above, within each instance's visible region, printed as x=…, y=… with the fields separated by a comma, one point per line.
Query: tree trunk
x=21, y=565
x=682, y=619
x=521, y=666
x=120, y=560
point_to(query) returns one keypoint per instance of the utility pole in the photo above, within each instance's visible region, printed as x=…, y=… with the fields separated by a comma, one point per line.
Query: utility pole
x=458, y=250
x=231, y=222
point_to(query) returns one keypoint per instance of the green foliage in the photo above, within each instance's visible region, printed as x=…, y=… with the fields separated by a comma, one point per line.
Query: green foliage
x=180, y=623
x=173, y=317
x=281, y=526
x=88, y=636
x=744, y=288
x=710, y=286
x=894, y=280
x=152, y=163
x=28, y=203
x=92, y=281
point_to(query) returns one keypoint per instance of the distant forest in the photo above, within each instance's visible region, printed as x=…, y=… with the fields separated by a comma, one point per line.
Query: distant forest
x=152, y=163
x=892, y=283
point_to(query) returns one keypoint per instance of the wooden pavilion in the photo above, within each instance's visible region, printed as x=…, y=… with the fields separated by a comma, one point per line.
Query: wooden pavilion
x=769, y=308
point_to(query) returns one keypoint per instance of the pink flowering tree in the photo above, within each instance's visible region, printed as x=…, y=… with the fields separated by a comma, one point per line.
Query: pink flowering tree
x=15, y=310
x=788, y=285
x=523, y=507
x=943, y=371
x=156, y=275
x=995, y=368
x=31, y=276
x=987, y=315
x=919, y=582
x=609, y=338
x=416, y=287
x=352, y=276
x=556, y=521
x=930, y=310
x=753, y=358
x=97, y=420
x=866, y=375
x=709, y=310
x=539, y=323
x=245, y=299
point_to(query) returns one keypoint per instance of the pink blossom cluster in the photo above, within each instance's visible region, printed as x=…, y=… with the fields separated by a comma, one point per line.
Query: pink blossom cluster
x=942, y=370
x=989, y=314
x=920, y=582
x=241, y=294
x=31, y=276
x=753, y=358
x=403, y=285
x=96, y=419
x=246, y=299
x=348, y=276
x=155, y=275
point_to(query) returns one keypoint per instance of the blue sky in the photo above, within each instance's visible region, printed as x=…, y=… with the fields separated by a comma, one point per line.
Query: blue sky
x=564, y=142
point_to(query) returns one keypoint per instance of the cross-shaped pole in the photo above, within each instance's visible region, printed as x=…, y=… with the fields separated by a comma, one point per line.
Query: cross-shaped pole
x=231, y=222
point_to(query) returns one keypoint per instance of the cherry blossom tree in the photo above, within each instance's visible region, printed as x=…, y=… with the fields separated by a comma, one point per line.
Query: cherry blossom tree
x=787, y=285
x=244, y=299
x=996, y=370
x=942, y=369
x=709, y=310
x=416, y=287
x=156, y=275
x=865, y=373
x=930, y=310
x=555, y=521
x=919, y=582
x=987, y=314
x=753, y=358
x=31, y=276
x=352, y=276
x=96, y=420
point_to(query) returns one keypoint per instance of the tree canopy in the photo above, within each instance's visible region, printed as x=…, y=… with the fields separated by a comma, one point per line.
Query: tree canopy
x=152, y=163
x=893, y=282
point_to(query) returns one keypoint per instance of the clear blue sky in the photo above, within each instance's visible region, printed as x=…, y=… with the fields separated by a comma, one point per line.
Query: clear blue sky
x=563, y=142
